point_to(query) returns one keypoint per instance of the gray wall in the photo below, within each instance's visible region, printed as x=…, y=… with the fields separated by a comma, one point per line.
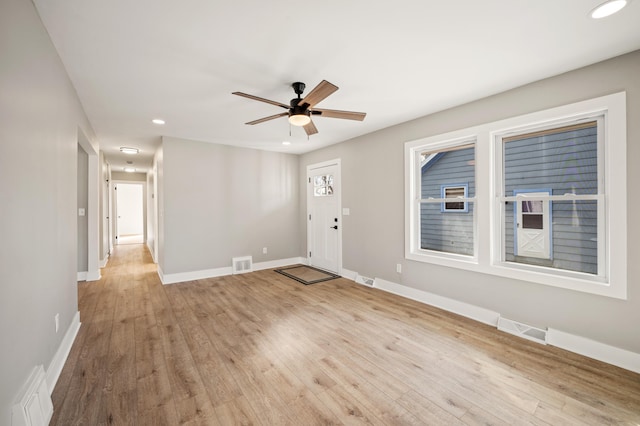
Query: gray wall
x=373, y=234
x=40, y=116
x=218, y=202
x=83, y=203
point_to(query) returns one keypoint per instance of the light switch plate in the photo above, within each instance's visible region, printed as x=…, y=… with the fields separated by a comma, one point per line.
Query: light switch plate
x=80, y=212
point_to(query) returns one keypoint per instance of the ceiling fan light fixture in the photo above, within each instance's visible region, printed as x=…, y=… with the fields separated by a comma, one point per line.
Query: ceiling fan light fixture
x=608, y=8
x=299, y=119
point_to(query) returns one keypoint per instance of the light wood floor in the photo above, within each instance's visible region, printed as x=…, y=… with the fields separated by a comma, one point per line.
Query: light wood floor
x=263, y=349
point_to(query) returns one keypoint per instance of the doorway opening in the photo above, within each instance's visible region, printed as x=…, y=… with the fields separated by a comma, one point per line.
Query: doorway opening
x=129, y=206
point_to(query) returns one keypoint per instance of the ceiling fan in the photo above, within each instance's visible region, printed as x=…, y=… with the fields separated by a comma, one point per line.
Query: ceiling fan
x=300, y=109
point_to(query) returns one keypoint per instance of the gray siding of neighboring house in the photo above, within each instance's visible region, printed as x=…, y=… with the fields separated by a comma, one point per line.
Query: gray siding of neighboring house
x=451, y=232
x=566, y=163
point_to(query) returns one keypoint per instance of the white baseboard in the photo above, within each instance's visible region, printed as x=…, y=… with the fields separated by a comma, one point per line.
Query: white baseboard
x=193, y=275
x=596, y=350
x=477, y=313
x=279, y=263
x=89, y=276
x=590, y=348
x=93, y=275
x=350, y=275
x=220, y=272
x=60, y=357
x=104, y=261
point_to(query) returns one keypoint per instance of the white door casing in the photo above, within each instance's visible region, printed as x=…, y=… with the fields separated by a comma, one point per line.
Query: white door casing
x=324, y=224
x=533, y=233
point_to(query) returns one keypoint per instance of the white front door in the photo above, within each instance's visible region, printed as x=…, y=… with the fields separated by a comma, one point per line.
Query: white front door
x=324, y=227
x=532, y=224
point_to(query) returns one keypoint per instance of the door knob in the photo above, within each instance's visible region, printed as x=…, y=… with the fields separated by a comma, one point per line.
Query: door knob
x=334, y=227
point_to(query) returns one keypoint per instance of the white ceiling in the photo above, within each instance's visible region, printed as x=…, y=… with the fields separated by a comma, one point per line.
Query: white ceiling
x=132, y=61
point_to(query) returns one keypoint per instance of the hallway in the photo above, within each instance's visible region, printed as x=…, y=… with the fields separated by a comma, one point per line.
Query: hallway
x=262, y=349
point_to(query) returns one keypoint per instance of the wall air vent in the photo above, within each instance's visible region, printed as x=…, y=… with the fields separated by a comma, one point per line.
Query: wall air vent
x=522, y=330
x=34, y=406
x=241, y=265
x=365, y=280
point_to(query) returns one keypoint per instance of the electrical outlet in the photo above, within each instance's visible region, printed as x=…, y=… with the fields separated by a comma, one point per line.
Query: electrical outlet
x=57, y=320
x=399, y=268
x=264, y=250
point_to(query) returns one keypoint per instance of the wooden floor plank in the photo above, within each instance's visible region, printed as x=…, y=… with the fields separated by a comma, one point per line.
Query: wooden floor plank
x=157, y=405
x=88, y=295
x=85, y=392
x=262, y=349
x=119, y=402
x=189, y=395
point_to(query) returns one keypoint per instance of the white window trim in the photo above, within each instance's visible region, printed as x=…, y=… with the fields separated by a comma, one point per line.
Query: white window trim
x=487, y=221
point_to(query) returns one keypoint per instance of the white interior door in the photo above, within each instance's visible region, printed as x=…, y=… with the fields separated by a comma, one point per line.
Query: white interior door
x=533, y=233
x=324, y=230
x=130, y=211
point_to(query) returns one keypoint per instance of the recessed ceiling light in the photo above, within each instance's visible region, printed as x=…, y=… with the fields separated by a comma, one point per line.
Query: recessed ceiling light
x=608, y=8
x=129, y=169
x=127, y=150
x=158, y=121
x=286, y=143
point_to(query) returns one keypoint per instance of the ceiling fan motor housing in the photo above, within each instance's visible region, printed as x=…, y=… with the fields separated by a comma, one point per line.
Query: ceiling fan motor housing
x=298, y=110
x=298, y=87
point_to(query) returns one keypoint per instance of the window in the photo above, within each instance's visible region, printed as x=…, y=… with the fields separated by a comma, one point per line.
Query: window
x=440, y=231
x=564, y=159
x=546, y=202
x=323, y=185
x=455, y=191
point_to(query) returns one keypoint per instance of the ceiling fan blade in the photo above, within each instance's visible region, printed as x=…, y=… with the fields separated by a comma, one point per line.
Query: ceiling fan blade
x=257, y=98
x=334, y=113
x=271, y=117
x=320, y=92
x=310, y=129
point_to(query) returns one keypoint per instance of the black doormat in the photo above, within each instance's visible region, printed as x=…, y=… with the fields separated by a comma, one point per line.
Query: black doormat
x=307, y=274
